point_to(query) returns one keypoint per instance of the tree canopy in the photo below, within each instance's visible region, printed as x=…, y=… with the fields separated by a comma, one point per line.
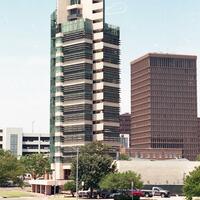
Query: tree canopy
x=70, y=186
x=94, y=164
x=124, y=157
x=198, y=157
x=11, y=168
x=121, y=181
x=36, y=164
x=191, y=186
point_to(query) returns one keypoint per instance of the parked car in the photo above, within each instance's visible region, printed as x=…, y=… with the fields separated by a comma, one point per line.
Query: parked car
x=104, y=194
x=83, y=193
x=136, y=193
x=87, y=194
x=156, y=191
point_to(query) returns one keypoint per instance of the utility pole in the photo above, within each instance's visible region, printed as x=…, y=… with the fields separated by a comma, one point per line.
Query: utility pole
x=54, y=180
x=77, y=173
x=132, y=189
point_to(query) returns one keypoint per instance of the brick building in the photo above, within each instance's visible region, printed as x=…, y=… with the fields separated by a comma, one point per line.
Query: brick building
x=125, y=123
x=164, y=106
x=125, y=129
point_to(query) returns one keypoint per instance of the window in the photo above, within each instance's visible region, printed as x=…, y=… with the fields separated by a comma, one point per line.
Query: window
x=72, y=2
x=13, y=144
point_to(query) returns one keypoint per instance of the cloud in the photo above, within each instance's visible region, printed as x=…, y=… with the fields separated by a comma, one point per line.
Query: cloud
x=117, y=8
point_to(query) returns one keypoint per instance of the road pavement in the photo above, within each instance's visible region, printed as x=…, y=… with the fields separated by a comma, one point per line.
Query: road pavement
x=57, y=198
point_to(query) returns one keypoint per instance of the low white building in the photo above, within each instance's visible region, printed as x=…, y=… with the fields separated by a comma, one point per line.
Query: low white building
x=159, y=172
x=20, y=143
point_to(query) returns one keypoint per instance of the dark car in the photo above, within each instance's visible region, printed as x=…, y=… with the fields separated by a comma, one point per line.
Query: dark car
x=114, y=194
x=104, y=194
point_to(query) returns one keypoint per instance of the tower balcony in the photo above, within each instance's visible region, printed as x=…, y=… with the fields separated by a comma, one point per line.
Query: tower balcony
x=74, y=6
x=74, y=16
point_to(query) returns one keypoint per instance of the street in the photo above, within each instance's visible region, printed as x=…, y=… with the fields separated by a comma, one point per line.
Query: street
x=57, y=198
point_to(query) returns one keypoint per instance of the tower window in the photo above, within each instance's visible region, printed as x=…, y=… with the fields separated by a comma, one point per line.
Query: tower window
x=72, y=2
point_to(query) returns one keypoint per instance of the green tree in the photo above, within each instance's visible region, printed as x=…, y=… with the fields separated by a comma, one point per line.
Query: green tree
x=121, y=181
x=124, y=157
x=36, y=164
x=191, y=186
x=94, y=164
x=70, y=186
x=11, y=168
x=198, y=157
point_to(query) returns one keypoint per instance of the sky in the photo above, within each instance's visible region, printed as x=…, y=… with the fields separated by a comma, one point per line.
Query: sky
x=167, y=26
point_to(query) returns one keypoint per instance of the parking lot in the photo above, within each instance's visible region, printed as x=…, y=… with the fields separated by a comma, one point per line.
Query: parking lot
x=61, y=198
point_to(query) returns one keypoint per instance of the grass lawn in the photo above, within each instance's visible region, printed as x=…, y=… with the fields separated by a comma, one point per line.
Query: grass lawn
x=14, y=193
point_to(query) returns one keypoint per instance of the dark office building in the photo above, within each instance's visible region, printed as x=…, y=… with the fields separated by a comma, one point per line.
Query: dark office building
x=125, y=123
x=125, y=129
x=164, y=105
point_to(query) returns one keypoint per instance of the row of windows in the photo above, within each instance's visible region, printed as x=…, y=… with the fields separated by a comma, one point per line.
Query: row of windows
x=111, y=131
x=77, y=35
x=111, y=55
x=187, y=92
x=87, y=47
x=167, y=145
x=111, y=76
x=77, y=138
x=177, y=128
x=78, y=87
x=171, y=102
x=85, y=128
x=82, y=74
x=77, y=108
x=30, y=146
x=167, y=140
x=111, y=97
x=77, y=116
x=175, y=72
x=172, y=82
x=79, y=55
x=172, y=62
x=78, y=96
x=157, y=155
x=168, y=76
x=77, y=68
x=173, y=116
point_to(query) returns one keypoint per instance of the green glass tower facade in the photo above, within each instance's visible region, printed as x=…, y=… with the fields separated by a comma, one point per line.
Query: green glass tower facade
x=85, y=77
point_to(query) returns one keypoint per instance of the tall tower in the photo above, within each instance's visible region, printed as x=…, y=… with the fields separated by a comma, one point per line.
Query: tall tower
x=164, y=104
x=85, y=60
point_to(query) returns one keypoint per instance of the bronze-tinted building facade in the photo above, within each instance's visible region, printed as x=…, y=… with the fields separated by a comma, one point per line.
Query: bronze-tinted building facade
x=164, y=103
x=125, y=123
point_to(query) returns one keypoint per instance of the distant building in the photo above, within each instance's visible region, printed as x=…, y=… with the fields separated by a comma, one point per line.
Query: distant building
x=164, y=106
x=125, y=123
x=125, y=129
x=20, y=143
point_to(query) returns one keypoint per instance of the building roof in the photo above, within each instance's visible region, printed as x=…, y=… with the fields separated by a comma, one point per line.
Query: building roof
x=165, y=55
x=159, y=172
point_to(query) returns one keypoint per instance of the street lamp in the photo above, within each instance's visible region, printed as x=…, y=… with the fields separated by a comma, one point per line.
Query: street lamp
x=132, y=189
